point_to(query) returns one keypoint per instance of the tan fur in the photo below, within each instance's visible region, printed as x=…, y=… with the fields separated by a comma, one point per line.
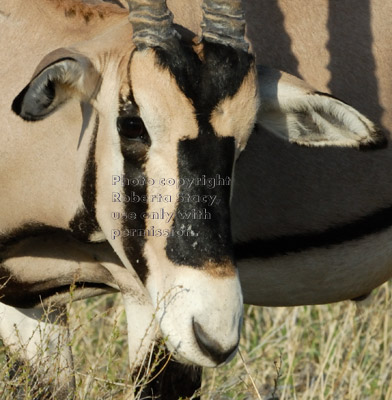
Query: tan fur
x=280, y=190
x=169, y=281
x=160, y=114
x=43, y=139
x=52, y=153
x=87, y=12
x=187, y=13
x=286, y=190
x=226, y=269
x=341, y=47
x=237, y=114
x=296, y=38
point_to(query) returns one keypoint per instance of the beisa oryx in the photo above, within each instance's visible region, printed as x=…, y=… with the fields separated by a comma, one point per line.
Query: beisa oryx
x=129, y=100
x=312, y=226
x=100, y=110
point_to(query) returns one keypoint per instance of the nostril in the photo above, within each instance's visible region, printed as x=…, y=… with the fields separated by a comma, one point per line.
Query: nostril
x=210, y=347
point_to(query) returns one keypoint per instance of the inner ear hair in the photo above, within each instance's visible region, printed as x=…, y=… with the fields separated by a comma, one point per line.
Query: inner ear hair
x=57, y=80
x=295, y=112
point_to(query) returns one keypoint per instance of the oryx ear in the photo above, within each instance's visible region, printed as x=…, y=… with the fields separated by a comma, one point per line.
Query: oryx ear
x=296, y=112
x=61, y=75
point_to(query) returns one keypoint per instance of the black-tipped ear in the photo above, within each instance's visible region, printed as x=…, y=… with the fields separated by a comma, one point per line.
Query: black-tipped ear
x=17, y=103
x=61, y=75
x=42, y=102
x=294, y=111
x=379, y=142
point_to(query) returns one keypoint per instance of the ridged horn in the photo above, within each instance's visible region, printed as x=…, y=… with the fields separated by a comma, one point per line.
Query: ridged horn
x=224, y=23
x=152, y=23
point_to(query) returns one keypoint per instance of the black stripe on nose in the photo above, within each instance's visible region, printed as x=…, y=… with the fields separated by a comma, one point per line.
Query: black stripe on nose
x=208, y=156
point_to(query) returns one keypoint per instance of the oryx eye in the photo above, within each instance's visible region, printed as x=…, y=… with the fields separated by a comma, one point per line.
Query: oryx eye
x=132, y=128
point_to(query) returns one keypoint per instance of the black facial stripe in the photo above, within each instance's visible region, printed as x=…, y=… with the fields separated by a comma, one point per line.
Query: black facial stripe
x=374, y=223
x=134, y=243
x=206, y=82
x=134, y=155
x=85, y=223
x=18, y=294
x=224, y=71
x=24, y=232
x=208, y=156
x=130, y=97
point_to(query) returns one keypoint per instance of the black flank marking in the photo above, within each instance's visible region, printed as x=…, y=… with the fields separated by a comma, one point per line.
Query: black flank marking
x=85, y=223
x=371, y=224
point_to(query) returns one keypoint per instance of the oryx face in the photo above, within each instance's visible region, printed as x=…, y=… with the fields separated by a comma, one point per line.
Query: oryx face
x=164, y=159
x=194, y=107
x=197, y=111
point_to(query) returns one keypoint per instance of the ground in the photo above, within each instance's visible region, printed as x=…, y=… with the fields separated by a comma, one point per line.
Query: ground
x=340, y=351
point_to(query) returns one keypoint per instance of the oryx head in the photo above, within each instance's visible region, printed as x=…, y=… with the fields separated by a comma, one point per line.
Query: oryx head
x=172, y=116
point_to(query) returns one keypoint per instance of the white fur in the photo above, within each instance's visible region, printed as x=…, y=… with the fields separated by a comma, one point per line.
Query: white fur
x=293, y=111
x=39, y=337
x=184, y=294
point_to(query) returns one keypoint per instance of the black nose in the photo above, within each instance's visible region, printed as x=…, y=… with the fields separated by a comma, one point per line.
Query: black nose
x=210, y=347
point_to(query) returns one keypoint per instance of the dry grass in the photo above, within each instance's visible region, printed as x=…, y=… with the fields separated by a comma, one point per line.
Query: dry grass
x=329, y=352
x=339, y=351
